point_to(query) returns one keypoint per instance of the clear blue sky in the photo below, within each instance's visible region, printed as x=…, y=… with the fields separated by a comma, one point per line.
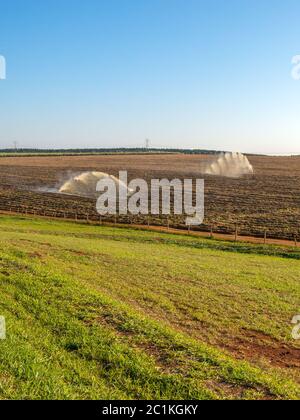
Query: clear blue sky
x=185, y=73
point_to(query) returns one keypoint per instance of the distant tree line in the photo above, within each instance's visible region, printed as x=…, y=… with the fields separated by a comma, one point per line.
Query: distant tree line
x=105, y=150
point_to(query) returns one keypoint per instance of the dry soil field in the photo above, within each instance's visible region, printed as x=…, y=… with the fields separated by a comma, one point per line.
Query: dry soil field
x=270, y=200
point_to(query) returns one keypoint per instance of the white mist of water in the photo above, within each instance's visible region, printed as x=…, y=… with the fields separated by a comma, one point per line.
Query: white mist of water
x=84, y=185
x=231, y=165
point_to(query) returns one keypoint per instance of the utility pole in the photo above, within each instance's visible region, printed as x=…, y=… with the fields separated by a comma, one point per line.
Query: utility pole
x=147, y=142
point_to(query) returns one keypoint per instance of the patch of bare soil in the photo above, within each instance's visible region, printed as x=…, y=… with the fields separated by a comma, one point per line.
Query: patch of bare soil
x=257, y=346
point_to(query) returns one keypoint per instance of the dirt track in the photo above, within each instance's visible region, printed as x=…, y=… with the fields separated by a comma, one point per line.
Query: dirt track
x=214, y=235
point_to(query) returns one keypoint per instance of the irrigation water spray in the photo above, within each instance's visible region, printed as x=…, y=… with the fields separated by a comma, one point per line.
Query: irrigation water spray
x=231, y=165
x=118, y=196
x=84, y=185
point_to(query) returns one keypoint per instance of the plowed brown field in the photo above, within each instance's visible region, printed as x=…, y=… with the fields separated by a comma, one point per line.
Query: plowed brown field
x=269, y=201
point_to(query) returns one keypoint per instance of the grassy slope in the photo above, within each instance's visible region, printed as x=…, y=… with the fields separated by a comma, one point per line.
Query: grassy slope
x=114, y=313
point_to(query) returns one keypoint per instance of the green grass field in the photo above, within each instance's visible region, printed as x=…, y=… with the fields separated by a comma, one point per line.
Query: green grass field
x=112, y=313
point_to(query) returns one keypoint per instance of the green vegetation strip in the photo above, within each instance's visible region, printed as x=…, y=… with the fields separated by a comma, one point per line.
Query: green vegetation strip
x=84, y=321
